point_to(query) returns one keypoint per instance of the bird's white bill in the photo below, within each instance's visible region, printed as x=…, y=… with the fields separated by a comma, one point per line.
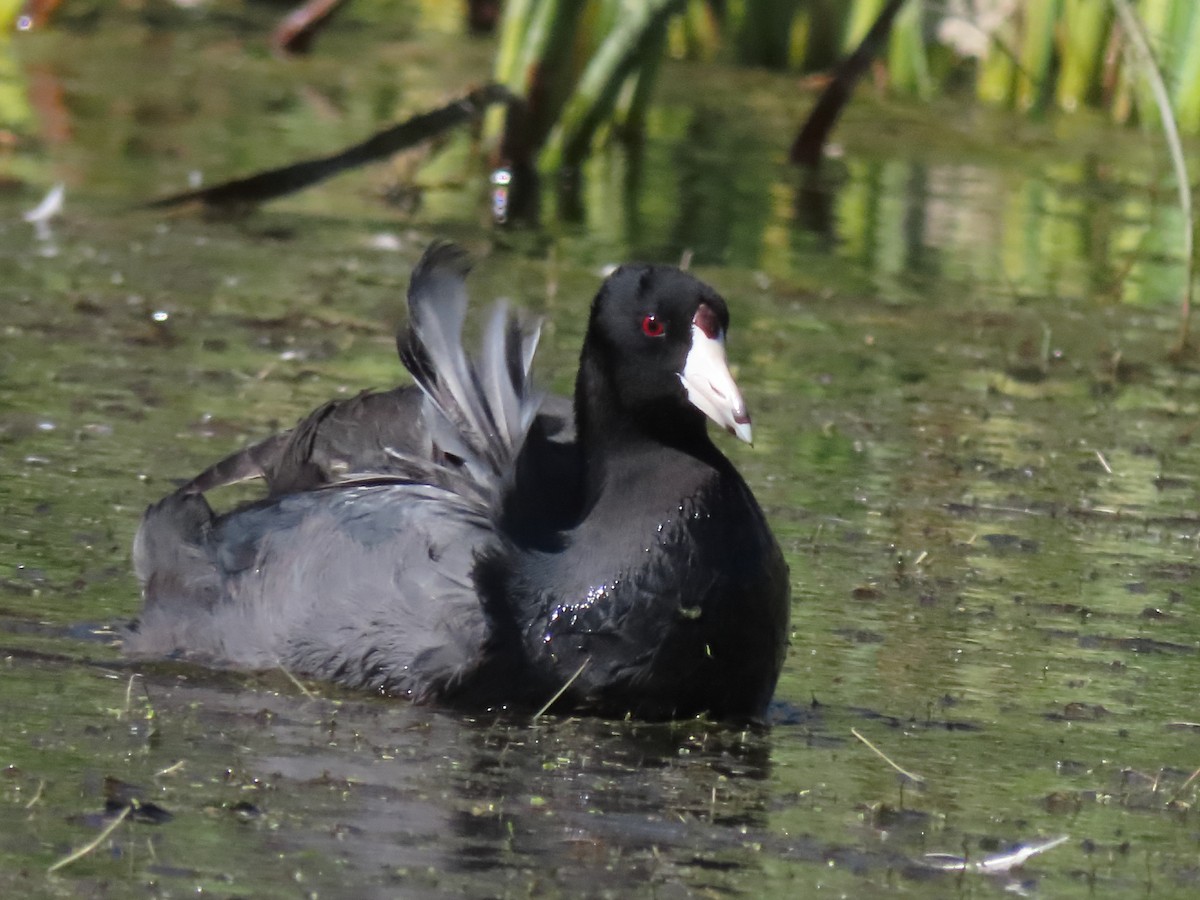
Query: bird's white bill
x=710, y=386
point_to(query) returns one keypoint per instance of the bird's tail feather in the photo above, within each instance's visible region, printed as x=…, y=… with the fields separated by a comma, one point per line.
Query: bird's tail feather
x=477, y=411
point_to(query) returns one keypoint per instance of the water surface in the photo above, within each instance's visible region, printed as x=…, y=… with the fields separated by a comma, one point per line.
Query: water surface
x=969, y=439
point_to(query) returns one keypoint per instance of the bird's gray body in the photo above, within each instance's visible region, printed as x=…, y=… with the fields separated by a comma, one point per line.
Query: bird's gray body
x=458, y=542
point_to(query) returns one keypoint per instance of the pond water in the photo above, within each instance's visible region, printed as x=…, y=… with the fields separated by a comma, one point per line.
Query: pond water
x=971, y=442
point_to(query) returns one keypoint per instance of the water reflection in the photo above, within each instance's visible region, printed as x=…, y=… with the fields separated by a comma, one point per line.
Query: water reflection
x=409, y=798
x=1085, y=229
x=707, y=178
x=814, y=207
x=434, y=798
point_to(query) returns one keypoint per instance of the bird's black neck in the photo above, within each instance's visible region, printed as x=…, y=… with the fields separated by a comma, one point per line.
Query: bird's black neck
x=614, y=439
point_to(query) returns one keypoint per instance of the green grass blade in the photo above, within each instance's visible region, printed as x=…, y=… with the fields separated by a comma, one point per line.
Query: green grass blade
x=625, y=48
x=908, y=56
x=1186, y=95
x=1148, y=67
x=1036, y=53
x=1084, y=29
x=862, y=15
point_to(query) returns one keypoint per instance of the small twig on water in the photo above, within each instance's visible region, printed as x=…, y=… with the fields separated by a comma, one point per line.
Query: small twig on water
x=1183, y=787
x=37, y=795
x=907, y=774
x=299, y=685
x=170, y=770
x=1104, y=462
x=562, y=690
x=92, y=844
x=1001, y=862
x=129, y=694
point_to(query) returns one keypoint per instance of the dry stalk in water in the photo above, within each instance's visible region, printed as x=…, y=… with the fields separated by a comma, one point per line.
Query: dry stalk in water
x=92, y=844
x=907, y=774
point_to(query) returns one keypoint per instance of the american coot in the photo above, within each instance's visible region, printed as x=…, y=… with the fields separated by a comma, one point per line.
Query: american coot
x=467, y=541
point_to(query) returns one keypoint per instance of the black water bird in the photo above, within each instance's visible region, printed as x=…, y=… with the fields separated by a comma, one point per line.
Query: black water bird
x=470, y=542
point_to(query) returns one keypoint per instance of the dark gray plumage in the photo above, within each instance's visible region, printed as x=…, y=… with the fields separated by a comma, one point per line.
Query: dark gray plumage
x=458, y=542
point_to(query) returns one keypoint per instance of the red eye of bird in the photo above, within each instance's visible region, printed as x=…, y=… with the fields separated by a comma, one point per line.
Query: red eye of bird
x=652, y=327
